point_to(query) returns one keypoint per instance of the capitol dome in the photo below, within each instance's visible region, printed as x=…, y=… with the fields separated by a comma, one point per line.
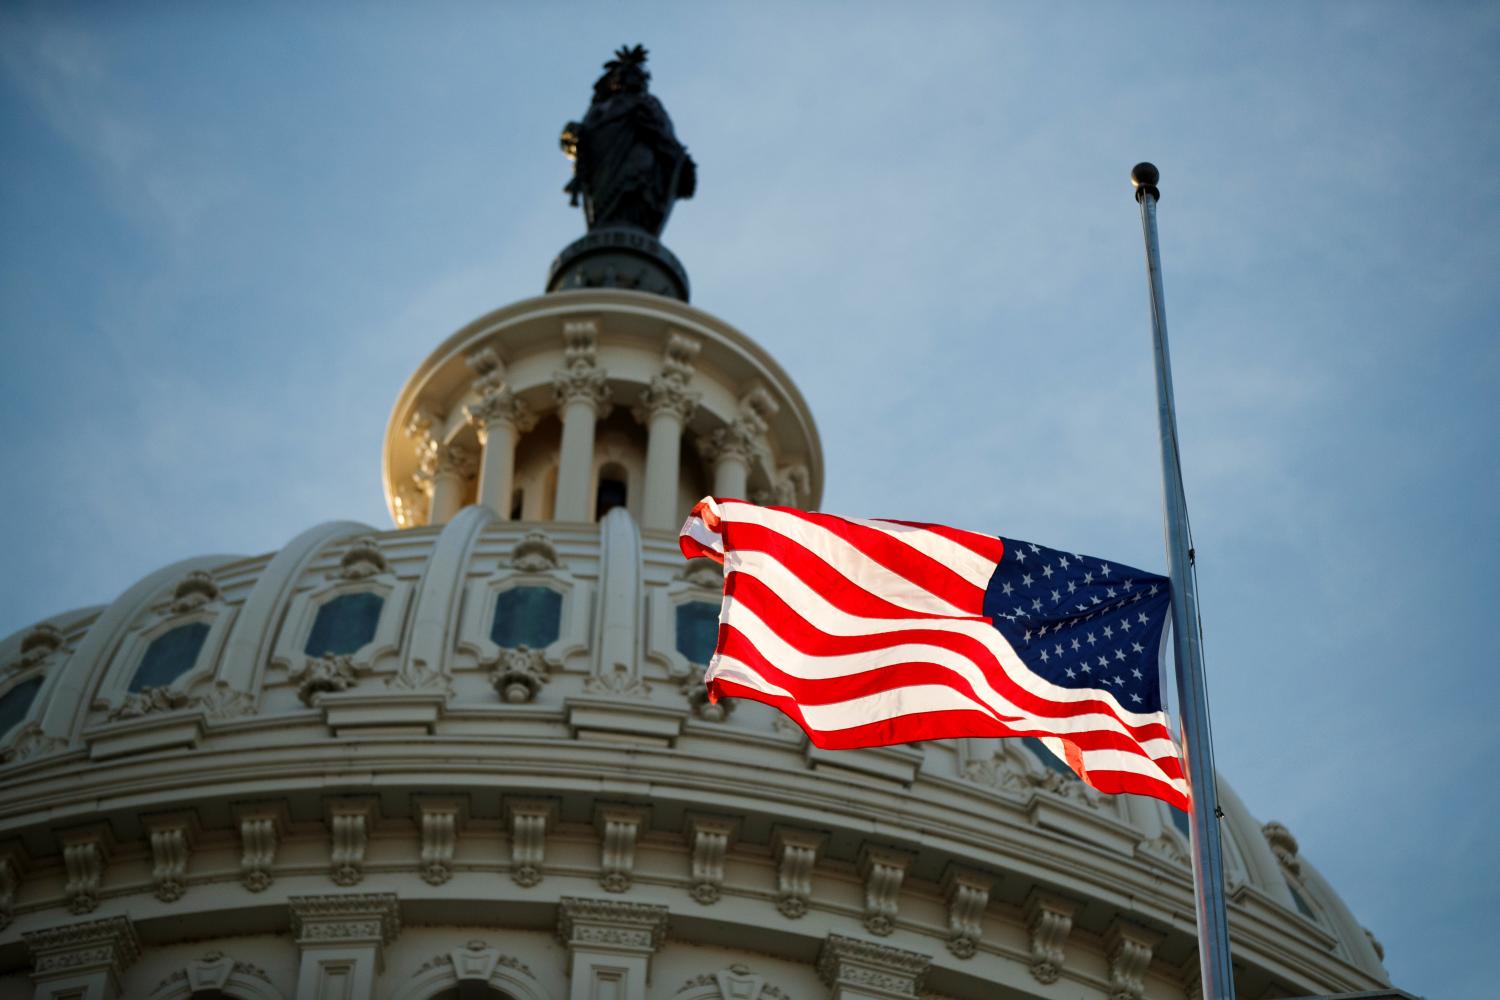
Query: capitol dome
x=471, y=755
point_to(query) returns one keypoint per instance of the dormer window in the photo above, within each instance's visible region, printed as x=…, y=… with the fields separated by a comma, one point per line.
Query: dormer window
x=169, y=656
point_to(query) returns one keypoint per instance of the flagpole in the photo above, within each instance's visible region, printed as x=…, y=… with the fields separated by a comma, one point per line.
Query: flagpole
x=1192, y=695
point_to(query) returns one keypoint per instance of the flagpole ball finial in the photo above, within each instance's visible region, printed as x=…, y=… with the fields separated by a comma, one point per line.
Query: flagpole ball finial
x=1145, y=177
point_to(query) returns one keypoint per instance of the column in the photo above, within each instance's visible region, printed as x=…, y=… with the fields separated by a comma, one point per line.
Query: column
x=499, y=418
x=610, y=944
x=664, y=407
x=455, y=464
x=341, y=938
x=82, y=961
x=730, y=449
x=582, y=399
x=863, y=970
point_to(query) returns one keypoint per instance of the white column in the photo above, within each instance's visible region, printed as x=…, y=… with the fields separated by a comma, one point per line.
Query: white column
x=499, y=418
x=82, y=961
x=341, y=938
x=664, y=407
x=730, y=449
x=863, y=970
x=455, y=465
x=610, y=944
x=583, y=397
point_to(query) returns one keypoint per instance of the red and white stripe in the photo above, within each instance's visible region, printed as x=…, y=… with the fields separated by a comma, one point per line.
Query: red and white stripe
x=870, y=632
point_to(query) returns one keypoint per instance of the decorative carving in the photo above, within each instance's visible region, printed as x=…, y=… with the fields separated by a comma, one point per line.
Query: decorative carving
x=457, y=460
x=172, y=838
x=222, y=702
x=1129, y=949
x=529, y=819
x=325, y=673
x=415, y=675
x=628, y=166
x=583, y=383
x=696, y=693
x=31, y=742
x=734, y=983
x=488, y=369
x=864, y=966
x=1167, y=846
x=349, y=823
x=109, y=943
x=709, y=837
x=1006, y=769
x=736, y=439
x=261, y=829
x=149, y=700
x=439, y=820
x=1049, y=920
x=535, y=553
x=36, y=645
x=618, y=681
x=883, y=871
x=499, y=404
x=637, y=926
x=1283, y=845
x=365, y=916
x=476, y=961
x=793, y=484
x=518, y=674
x=666, y=394
x=85, y=854
x=618, y=828
x=796, y=852
x=363, y=559
x=195, y=590
x=968, y=895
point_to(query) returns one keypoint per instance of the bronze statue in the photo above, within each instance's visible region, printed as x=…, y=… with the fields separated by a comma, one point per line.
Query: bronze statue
x=627, y=163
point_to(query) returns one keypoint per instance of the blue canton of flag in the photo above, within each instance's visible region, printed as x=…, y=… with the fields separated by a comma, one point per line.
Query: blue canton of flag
x=1081, y=622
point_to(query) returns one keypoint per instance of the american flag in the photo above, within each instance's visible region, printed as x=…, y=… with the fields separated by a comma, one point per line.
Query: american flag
x=871, y=632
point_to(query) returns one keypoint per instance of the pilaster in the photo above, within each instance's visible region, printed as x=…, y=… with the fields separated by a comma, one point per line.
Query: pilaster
x=610, y=944
x=341, y=940
x=82, y=961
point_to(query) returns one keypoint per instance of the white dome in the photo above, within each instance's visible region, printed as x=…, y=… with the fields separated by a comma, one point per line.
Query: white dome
x=505, y=760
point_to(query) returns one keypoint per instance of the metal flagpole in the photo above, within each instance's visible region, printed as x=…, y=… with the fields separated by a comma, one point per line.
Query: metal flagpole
x=1192, y=695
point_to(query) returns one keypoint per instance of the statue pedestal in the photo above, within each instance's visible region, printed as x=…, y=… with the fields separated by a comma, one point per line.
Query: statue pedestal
x=619, y=257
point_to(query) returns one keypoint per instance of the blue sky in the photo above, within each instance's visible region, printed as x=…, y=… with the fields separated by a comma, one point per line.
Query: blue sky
x=227, y=234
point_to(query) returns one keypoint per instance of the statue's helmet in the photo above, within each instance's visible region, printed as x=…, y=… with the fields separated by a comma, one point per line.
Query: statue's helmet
x=625, y=73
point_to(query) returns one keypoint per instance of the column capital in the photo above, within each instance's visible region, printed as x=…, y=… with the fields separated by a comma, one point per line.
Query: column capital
x=84, y=950
x=667, y=393
x=865, y=969
x=456, y=459
x=499, y=405
x=583, y=382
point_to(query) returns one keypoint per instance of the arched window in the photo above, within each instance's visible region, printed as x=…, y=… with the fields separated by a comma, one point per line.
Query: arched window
x=611, y=493
x=472, y=990
x=344, y=624
x=169, y=656
x=697, y=630
x=527, y=616
x=15, y=703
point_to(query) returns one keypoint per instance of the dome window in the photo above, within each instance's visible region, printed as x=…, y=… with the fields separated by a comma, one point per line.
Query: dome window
x=344, y=624
x=527, y=616
x=697, y=630
x=15, y=703
x=169, y=656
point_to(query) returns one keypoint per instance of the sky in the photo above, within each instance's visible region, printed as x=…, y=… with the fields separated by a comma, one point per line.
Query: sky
x=228, y=233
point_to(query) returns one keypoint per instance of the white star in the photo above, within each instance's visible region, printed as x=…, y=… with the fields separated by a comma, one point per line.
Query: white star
x=1109, y=633
x=1136, y=673
x=1020, y=555
x=1044, y=656
x=1085, y=667
x=1076, y=647
x=1072, y=586
x=1143, y=619
x=1119, y=682
x=1137, y=647
x=1110, y=592
x=1093, y=598
x=1047, y=571
x=1153, y=590
x=1090, y=639
x=1129, y=583
x=1103, y=661
x=1036, y=605
x=1088, y=579
x=1135, y=698
x=1057, y=650
x=1028, y=636
x=1056, y=597
x=1063, y=561
x=1119, y=654
x=1034, y=548
x=1104, y=568
x=1071, y=673
x=1025, y=579
x=1125, y=624
x=1007, y=589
